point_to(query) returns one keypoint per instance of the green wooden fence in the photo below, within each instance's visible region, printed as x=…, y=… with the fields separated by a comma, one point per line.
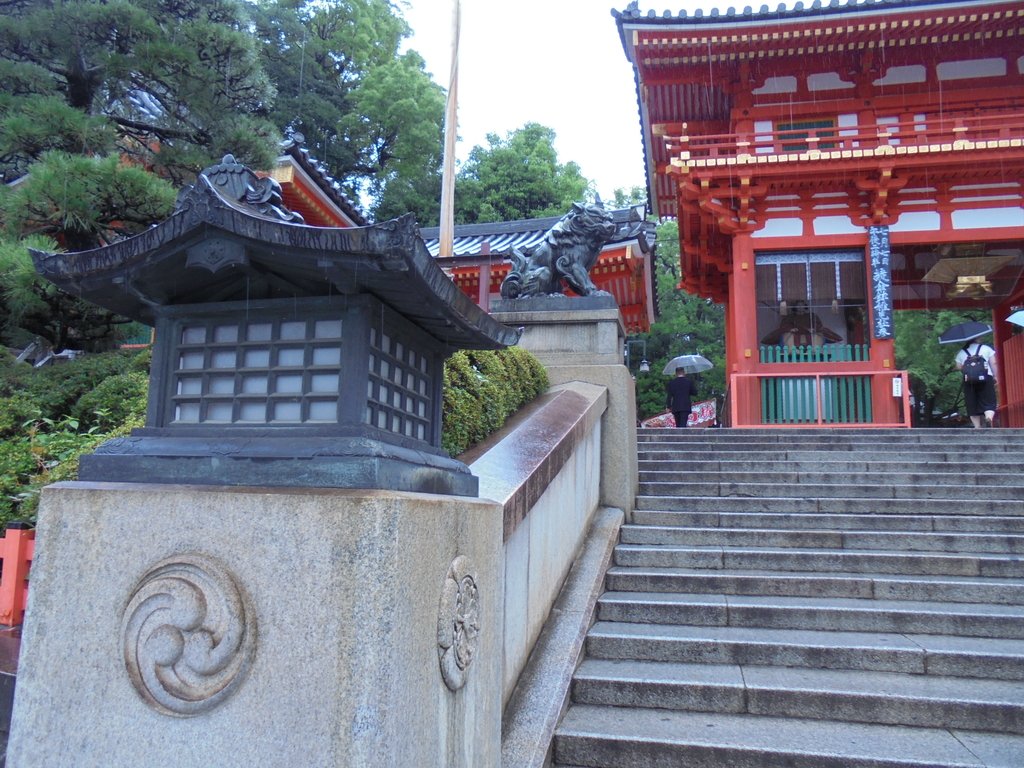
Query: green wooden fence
x=828, y=353
x=844, y=399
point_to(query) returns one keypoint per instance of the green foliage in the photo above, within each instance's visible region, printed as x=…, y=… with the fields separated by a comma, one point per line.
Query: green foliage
x=113, y=401
x=518, y=177
x=17, y=466
x=173, y=84
x=50, y=416
x=81, y=201
x=371, y=115
x=55, y=389
x=85, y=200
x=625, y=198
x=687, y=325
x=934, y=380
x=15, y=411
x=55, y=447
x=106, y=108
x=482, y=389
x=399, y=113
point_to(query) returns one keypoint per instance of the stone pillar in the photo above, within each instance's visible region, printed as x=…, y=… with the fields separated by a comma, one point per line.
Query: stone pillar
x=581, y=339
x=211, y=626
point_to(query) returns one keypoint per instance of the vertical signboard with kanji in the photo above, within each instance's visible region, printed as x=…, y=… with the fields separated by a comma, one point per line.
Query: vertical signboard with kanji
x=881, y=281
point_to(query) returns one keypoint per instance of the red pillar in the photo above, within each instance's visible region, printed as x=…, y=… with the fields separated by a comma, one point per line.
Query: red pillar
x=741, y=322
x=17, y=547
x=741, y=332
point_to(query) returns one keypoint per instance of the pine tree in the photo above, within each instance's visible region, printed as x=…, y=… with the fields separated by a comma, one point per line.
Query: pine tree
x=106, y=108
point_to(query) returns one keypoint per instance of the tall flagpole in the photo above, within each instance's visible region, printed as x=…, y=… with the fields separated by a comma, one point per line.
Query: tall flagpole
x=447, y=234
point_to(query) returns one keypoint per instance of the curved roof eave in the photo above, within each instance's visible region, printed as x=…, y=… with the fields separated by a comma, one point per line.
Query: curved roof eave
x=634, y=17
x=134, y=277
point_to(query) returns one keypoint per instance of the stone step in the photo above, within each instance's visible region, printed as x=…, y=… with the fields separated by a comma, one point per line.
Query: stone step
x=703, y=463
x=831, y=505
x=998, y=543
x=965, y=482
x=836, y=522
x=825, y=613
x=946, y=455
x=811, y=599
x=868, y=434
x=943, y=655
x=983, y=437
x=847, y=445
x=839, y=489
x=617, y=737
x=824, y=560
x=864, y=697
x=851, y=440
x=849, y=585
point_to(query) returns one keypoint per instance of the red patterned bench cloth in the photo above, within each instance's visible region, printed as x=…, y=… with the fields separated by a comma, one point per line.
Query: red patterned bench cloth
x=702, y=414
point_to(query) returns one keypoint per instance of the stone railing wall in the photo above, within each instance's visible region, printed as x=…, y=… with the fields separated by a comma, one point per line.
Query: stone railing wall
x=545, y=468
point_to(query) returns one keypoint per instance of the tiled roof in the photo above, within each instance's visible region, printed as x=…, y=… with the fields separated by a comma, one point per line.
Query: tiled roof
x=294, y=145
x=503, y=236
x=633, y=14
x=229, y=239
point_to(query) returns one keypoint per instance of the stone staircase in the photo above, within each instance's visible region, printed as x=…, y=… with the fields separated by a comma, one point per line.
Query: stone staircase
x=811, y=599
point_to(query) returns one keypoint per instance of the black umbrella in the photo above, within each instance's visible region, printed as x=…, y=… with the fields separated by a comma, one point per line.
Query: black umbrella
x=964, y=332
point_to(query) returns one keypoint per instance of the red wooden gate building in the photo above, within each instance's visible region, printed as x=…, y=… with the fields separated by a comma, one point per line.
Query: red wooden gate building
x=828, y=165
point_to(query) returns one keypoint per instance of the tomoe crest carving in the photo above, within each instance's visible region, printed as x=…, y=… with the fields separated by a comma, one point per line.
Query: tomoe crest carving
x=458, y=622
x=189, y=635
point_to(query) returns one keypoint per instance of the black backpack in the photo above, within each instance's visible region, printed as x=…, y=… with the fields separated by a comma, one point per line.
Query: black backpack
x=974, y=369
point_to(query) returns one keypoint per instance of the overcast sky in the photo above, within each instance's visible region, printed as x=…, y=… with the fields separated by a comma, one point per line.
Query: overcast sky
x=554, y=62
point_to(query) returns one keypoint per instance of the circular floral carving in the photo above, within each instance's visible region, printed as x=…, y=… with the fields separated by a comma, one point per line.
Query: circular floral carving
x=189, y=635
x=458, y=622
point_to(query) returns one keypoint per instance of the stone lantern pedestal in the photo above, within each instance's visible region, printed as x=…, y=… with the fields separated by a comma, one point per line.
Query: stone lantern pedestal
x=283, y=567
x=581, y=339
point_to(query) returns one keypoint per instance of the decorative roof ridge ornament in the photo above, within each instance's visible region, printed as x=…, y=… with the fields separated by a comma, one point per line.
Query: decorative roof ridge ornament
x=241, y=188
x=566, y=254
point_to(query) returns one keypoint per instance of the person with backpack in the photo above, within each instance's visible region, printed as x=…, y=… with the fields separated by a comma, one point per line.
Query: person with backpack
x=976, y=361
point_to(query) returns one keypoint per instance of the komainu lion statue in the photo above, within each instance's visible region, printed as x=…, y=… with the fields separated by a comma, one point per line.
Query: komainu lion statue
x=567, y=253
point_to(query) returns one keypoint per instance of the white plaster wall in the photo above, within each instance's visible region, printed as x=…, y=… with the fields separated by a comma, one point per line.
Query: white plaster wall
x=965, y=70
x=540, y=553
x=836, y=225
x=789, y=227
x=977, y=218
x=917, y=221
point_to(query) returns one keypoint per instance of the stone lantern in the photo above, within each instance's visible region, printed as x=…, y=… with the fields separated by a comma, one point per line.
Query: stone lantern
x=285, y=354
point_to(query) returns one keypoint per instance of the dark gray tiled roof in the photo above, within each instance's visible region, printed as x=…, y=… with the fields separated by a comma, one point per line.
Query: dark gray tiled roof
x=503, y=236
x=294, y=145
x=230, y=240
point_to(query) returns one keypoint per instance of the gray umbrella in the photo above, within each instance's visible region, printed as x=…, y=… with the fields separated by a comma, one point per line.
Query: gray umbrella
x=964, y=332
x=689, y=363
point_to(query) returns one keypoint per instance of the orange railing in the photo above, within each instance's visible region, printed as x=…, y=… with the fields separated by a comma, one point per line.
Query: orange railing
x=17, y=548
x=842, y=399
x=1011, y=361
x=927, y=129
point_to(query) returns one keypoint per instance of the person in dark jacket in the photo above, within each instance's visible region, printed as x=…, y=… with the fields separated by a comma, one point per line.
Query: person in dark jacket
x=679, y=396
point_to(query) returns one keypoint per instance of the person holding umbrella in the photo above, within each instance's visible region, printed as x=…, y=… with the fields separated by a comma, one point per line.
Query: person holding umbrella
x=679, y=396
x=977, y=361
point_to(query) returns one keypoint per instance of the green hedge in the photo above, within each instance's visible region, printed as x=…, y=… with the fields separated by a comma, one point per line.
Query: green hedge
x=51, y=416
x=482, y=389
